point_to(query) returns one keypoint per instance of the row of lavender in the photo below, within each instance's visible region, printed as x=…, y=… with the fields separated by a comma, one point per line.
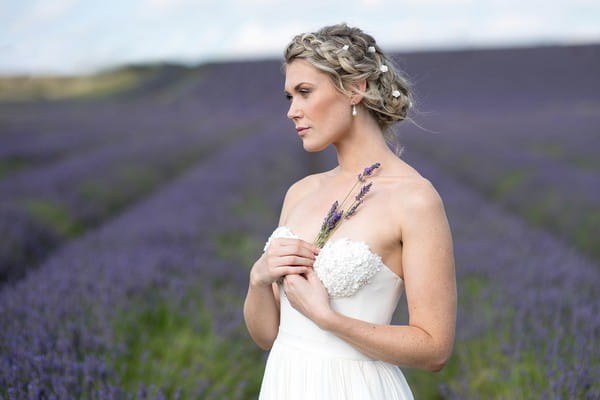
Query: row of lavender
x=57, y=331
x=38, y=133
x=33, y=134
x=521, y=125
x=80, y=163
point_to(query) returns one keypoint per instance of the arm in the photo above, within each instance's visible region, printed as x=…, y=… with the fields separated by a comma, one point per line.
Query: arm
x=261, y=311
x=284, y=256
x=430, y=283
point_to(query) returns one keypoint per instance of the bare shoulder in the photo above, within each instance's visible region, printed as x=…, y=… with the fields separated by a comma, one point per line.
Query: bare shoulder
x=296, y=192
x=416, y=193
x=416, y=204
x=304, y=185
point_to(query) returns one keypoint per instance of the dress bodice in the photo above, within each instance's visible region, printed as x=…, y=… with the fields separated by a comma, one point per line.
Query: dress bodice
x=359, y=284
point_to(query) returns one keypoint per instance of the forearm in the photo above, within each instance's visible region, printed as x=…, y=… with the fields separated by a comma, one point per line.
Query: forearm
x=261, y=314
x=403, y=345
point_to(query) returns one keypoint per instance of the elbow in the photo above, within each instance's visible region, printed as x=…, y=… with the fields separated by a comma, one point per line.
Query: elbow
x=264, y=344
x=437, y=363
x=264, y=340
x=436, y=366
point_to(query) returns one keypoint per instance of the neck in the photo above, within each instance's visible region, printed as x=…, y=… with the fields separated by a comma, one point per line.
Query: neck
x=361, y=148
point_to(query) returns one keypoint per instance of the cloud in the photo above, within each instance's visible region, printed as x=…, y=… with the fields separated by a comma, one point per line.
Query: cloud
x=42, y=13
x=256, y=38
x=516, y=25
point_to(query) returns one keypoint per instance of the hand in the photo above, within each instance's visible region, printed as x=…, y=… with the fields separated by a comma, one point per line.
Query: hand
x=284, y=256
x=308, y=295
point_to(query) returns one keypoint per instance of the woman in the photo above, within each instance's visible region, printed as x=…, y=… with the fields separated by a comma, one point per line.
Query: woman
x=325, y=313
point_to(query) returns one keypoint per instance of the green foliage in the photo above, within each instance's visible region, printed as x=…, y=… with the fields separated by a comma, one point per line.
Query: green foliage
x=237, y=246
x=586, y=163
x=243, y=247
x=549, y=149
x=510, y=182
x=9, y=166
x=252, y=205
x=115, y=190
x=54, y=216
x=586, y=236
x=27, y=88
x=175, y=345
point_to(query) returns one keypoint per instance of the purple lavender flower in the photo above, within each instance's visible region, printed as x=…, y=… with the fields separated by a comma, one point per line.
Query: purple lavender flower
x=368, y=171
x=332, y=210
x=329, y=223
x=352, y=209
x=363, y=191
x=333, y=220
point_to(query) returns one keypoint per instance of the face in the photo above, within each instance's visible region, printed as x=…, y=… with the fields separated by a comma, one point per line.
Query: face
x=320, y=113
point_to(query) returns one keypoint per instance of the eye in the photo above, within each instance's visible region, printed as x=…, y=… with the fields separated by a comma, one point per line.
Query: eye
x=304, y=91
x=288, y=97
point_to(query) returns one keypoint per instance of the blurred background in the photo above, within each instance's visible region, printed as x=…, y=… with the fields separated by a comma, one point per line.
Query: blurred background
x=145, y=152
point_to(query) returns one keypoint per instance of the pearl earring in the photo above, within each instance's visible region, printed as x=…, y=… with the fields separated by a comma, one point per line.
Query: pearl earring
x=353, y=110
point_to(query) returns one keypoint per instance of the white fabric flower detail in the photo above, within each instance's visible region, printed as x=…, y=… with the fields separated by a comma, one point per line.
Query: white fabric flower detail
x=396, y=93
x=345, y=266
x=371, y=49
x=383, y=68
x=346, y=47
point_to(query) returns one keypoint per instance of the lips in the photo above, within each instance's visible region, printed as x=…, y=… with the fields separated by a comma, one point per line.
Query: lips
x=302, y=130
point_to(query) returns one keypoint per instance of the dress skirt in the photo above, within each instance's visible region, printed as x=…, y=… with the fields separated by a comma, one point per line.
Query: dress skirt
x=305, y=372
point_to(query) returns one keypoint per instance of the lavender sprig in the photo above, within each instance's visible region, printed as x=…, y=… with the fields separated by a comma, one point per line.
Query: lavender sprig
x=368, y=171
x=358, y=200
x=335, y=214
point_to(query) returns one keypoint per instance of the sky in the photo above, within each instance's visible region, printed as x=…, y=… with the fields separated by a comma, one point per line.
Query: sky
x=65, y=37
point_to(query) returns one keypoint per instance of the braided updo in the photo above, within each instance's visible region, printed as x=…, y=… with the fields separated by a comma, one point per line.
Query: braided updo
x=348, y=56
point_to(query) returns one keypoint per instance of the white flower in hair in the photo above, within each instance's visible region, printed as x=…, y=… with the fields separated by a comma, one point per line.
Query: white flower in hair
x=346, y=47
x=371, y=49
x=396, y=93
x=383, y=68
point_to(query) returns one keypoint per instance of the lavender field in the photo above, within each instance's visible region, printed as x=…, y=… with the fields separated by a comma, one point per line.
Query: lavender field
x=129, y=220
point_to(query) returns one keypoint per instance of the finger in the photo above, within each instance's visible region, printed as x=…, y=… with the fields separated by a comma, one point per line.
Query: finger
x=295, y=261
x=291, y=250
x=296, y=250
x=313, y=248
x=299, y=246
x=284, y=271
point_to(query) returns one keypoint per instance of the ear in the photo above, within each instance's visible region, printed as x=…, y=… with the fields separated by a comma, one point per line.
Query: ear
x=357, y=87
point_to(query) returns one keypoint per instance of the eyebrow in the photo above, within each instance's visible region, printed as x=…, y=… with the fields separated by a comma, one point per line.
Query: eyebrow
x=296, y=87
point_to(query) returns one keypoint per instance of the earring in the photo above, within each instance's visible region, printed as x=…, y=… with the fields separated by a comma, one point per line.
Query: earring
x=353, y=110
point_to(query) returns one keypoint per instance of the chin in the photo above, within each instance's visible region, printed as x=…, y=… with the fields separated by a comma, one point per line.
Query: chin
x=312, y=148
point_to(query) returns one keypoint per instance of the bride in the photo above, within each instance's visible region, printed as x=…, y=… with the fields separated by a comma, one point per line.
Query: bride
x=324, y=311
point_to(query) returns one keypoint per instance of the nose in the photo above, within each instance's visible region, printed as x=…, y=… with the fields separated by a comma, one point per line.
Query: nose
x=293, y=112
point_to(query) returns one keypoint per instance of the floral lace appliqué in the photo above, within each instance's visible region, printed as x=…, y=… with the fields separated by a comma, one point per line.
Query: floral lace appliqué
x=343, y=265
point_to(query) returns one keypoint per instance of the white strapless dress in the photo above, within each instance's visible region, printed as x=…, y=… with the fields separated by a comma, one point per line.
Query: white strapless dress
x=308, y=363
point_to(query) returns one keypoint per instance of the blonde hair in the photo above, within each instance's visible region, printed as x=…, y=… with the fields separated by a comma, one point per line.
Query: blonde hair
x=349, y=55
